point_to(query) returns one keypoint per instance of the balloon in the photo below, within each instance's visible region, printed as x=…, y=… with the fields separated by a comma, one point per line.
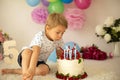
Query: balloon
x=67, y=1
x=53, y=56
x=82, y=4
x=56, y=7
x=71, y=44
x=45, y=2
x=33, y=2
x=52, y=0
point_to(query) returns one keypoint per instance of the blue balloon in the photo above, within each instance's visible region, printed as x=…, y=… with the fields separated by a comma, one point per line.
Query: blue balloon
x=67, y=1
x=33, y=2
x=71, y=44
x=53, y=56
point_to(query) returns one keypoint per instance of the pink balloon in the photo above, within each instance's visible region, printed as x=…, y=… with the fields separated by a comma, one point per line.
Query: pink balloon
x=82, y=4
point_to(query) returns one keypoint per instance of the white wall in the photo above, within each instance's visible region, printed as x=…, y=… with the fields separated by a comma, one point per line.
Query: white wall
x=15, y=19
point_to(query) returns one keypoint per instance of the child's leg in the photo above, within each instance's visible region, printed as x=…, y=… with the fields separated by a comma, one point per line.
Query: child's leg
x=26, y=55
x=11, y=71
x=42, y=69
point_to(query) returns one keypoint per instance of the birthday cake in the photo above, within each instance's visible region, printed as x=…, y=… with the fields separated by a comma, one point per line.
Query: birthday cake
x=70, y=65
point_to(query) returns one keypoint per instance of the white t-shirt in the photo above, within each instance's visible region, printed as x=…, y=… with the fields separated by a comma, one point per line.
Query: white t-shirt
x=46, y=45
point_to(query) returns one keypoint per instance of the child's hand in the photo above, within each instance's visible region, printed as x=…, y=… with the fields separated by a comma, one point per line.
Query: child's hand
x=59, y=52
x=28, y=75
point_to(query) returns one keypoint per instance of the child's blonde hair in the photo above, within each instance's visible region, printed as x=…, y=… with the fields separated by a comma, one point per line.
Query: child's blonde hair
x=56, y=19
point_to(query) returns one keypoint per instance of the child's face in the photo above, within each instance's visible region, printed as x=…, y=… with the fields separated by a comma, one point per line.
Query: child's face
x=55, y=33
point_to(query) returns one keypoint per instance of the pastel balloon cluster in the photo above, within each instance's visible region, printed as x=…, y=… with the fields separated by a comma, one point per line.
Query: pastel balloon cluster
x=81, y=4
x=74, y=18
x=56, y=5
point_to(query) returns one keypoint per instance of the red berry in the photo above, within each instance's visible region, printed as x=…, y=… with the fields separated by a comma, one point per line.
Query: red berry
x=73, y=78
x=84, y=75
x=78, y=55
x=70, y=78
x=58, y=76
x=65, y=78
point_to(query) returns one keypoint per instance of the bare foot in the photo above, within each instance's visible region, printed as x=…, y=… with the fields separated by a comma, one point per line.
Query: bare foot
x=6, y=71
x=27, y=76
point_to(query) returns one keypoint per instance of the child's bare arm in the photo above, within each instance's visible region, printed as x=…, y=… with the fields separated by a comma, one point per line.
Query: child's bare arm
x=30, y=72
x=34, y=57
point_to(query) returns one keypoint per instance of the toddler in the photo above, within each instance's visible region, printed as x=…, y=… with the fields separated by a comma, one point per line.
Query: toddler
x=32, y=59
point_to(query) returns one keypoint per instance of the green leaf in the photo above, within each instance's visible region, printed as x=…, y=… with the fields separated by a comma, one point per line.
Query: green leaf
x=79, y=61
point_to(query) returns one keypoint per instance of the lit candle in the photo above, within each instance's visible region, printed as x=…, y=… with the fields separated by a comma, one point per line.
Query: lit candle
x=75, y=53
x=70, y=54
x=64, y=53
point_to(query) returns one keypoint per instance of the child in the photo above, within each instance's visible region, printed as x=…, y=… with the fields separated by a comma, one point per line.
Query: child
x=33, y=59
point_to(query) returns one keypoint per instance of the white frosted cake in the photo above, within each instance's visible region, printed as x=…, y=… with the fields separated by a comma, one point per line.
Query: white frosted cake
x=70, y=65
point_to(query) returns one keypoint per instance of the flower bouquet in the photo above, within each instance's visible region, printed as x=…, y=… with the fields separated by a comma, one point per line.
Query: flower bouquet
x=3, y=37
x=110, y=30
